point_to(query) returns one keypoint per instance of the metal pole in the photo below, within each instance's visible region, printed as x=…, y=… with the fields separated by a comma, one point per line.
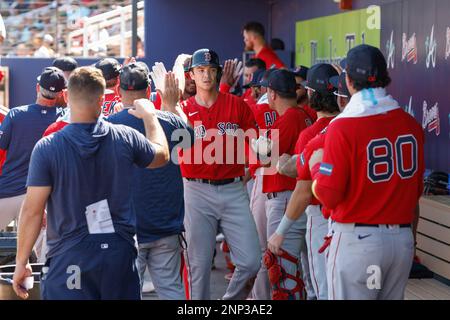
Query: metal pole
x=134, y=27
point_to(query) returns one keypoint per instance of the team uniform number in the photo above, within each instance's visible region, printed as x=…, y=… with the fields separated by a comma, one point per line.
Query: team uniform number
x=384, y=158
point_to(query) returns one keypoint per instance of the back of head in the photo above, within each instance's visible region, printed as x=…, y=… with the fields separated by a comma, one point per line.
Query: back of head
x=366, y=67
x=86, y=87
x=283, y=83
x=134, y=81
x=110, y=69
x=320, y=84
x=254, y=27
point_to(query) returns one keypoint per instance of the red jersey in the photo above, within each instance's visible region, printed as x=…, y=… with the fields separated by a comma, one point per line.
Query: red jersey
x=303, y=172
x=270, y=58
x=265, y=118
x=310, y=111
x=289, y=127
x=2, y=159
x=3, y=113
x=310, y=133
x=111, y=98
x=216, y=126
x=55, y=127
x=372, y=170
x=248, y=98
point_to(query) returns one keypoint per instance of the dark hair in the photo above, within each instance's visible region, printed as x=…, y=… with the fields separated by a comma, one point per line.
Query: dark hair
x=381, y=82
x=324, y=102
x=255, y=62
x=255, y=27
x=277, y=44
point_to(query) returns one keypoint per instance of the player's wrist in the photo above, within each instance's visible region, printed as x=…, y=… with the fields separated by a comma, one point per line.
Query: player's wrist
x=284, y=226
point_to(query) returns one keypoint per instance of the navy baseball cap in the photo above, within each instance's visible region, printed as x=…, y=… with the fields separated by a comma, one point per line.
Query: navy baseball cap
x=134, y=76
x=301, y=71
x=52, y=79
x=283, y=81
x=366, y=63
x=109, y=67
x=256, y=79
x=340, y=83
x=265, y=79
x=319, y=78
x=65, y=63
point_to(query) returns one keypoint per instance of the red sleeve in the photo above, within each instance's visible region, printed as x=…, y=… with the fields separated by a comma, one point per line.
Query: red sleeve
x=247, y=117
x=55, y=127
x=224, y=88
x=335, y=168
x=2, y=159
x=158, y=102
x=303, y=172
x=288, y=134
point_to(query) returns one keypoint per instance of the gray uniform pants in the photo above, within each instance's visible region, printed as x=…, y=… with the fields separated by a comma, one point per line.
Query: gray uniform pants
x=294, y=240
x=10, y=210
x=368, y=263
x=315, y=234
x=207, y=207
x=163, y=259
x=261, y=288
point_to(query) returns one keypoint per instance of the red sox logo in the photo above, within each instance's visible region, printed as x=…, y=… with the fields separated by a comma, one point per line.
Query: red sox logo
x=227, y=128
x=207, y=56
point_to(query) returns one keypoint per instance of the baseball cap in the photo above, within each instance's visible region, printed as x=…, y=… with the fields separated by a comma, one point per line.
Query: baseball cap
x=52, y=79
x=65, y=63
x=319, y=78
x=256, y=79
x=301, y=71
x=110, y=68
x=283, y=81
x=366, y=63
x=264, y=82
x=340, y=83
x=134, y=77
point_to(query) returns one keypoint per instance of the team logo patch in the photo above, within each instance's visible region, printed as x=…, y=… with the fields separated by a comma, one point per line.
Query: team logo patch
x=302, y=159
x=326, y=169
x=207, y=56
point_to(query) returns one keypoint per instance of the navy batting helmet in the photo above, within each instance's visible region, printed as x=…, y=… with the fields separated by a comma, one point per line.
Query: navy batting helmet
x=205, y=57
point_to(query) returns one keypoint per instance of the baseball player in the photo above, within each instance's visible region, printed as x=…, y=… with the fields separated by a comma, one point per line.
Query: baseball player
x=290, y=123
x=213, y=190
x=370, y=175
x=253, y=33
x=19, y=132
x=323, y=101
x=81, y=173
x=157, y=195
x=110, y=69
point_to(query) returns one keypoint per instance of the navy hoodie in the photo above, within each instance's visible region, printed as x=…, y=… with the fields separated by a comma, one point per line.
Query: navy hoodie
x=85, y=164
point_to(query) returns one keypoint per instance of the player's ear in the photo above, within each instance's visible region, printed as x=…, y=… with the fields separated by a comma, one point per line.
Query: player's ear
x=64, y=94
x=149, y=92
x=38, y=88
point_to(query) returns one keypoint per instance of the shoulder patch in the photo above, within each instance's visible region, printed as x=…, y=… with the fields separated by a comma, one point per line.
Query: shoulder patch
x=326, y=169
x=302, y=159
